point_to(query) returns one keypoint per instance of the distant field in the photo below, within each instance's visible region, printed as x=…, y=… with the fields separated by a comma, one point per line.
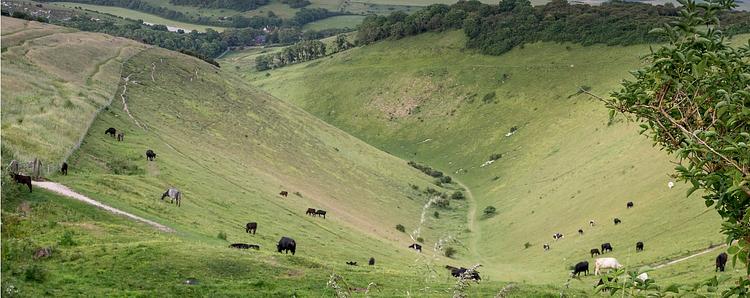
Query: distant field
x=336, y=23
x=134, y=14
x=426, y=98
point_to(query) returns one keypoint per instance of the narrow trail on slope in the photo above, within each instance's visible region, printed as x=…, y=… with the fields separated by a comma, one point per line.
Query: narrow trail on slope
x=65, y=191
x=702, y=252
x=125, y=104
x=471, y=222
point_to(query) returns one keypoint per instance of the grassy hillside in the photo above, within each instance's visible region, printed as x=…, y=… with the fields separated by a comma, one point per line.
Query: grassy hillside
x=54, y=80
x=427, y=99
x=335, y=22
x=230, y=149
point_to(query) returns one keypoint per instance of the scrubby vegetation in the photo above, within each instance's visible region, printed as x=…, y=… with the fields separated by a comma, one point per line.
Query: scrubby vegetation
x=241, y=5
x=300, y=52
x=495, y=29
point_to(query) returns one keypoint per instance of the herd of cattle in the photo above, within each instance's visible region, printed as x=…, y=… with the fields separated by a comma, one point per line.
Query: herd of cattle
x=612, y=263
x=287, y=244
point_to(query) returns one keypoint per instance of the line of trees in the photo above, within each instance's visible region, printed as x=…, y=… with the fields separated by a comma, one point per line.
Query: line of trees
x=296, y=3
x=299, y=52
x=240, y=5
x=495, y=29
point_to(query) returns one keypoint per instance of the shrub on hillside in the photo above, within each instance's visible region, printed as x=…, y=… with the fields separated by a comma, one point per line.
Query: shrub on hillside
x=401, y=228
x=496, y=156
x=420, y=239
x=489, y=97
x=222, y=236
x=458, y=195
x=426, y=169
x=436, y=214
x=442, y=202
x=489, y=211
x=67, y=239
x=35, y=273
x=446, y=179
x=449, y=251
x=526, y=245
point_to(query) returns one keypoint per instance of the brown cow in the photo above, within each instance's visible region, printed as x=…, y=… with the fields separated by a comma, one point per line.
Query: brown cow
x=251, y=226
x=284, y=193
x=22, y=179
x=310, y=211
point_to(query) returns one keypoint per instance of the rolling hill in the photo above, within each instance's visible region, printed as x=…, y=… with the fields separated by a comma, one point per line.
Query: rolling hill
x=560, y=161
x=230, y=148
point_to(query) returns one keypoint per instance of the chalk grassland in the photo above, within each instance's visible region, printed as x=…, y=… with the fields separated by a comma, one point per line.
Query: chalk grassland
x=335, y=22
x=230, y=149
x=137, y=15
x=53, y=80
x=427, y=99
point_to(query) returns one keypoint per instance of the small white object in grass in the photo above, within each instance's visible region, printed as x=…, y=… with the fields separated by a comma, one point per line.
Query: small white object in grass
x=571, y=65
x=670, y=184
x=643, y=276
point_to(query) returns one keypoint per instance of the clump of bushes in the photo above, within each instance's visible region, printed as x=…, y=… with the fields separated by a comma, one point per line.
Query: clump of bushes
x=496, y=156
x=426, y=169
x=401, y=228
x=67, y=239
x=458, y=195
x=125, y=167
x=526, y=245
x=442, y=202
x=449, y=251
x=490, y=211
x=420, y=239
x=489, y=97
x=222, y=236
x=35, y=273
x=436, y=214
x=446, y=179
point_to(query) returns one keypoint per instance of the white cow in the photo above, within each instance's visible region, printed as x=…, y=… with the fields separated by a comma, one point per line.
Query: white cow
x=670, y=184
x=606, y=263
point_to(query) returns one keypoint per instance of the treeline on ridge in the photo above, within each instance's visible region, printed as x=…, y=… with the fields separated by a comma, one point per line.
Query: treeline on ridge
x=495, y=29
x=240, y=5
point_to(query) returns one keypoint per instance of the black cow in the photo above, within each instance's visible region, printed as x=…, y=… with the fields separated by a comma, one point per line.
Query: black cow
x=595, y=251
x=416, y=247
x=111, y=131
x=22, y=179
x=251, y=227
x=545, y=246
x=371, y=262
x=351, y=263
x=639, y=246
x=286, y=244
x=606, y=247
x=617, y=221
x=581, y=267
x=458, y=272
x=580, y=231
x=721, y=262
x=630, y=205
x=120, y=136
x=321, y=213
x=244, y=246
x=284, y=193
x=310, y=211
x=64, y=168
x=150, y=155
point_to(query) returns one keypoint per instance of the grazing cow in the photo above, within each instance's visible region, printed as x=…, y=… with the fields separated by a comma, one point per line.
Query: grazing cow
x=721, y=262
x=321, y=213
x=310, y=211
x=174, y=194
x=64, y=168
x=639, y=246
x=251, y=227
x=459, y=272
x=150, y=155
x=595, y=251
x=606, y=247
x=22, y=179
x=284, y=193
x=617, y=221
x=286, y=244
x=557, y=236
x=111, y=131
x=592, y=223
x=120, y=136
x=546, y=247
x=580, y=231
x=581, y=267
x=371, y=262
x=670, y=184
x=605, y=263
x=351, y=263
x=416, y=247
x=629, y=205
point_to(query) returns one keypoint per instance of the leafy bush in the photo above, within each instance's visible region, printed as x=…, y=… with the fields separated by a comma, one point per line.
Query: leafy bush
x=458, y=195
x=449, y=251
x=222, y=236
x=35, y=273
x=442, y=202
x=526, y=245
x=446, y=179
x=67, y=239
x=489, y=97
x=401, y=228
x=420, y=239
x=426, y=169
x=436, y=214
x=489, y=211
x=496, y=156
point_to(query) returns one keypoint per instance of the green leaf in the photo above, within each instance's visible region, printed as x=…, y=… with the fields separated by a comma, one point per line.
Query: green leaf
x=733, y=250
